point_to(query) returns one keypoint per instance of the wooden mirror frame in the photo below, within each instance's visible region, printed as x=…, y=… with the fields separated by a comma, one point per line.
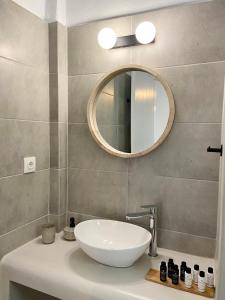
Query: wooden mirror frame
x=91, y=111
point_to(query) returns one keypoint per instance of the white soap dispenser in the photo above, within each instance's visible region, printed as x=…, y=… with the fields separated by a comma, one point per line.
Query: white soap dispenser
x=69, y=231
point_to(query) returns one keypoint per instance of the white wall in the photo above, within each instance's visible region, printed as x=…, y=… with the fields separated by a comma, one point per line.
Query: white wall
x=73, y=12
x=49, y=10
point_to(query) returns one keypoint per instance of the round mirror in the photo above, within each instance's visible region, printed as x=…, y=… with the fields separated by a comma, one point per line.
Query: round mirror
x=131, y=111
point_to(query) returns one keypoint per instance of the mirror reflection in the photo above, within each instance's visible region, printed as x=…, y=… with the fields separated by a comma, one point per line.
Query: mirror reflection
x=132, y=111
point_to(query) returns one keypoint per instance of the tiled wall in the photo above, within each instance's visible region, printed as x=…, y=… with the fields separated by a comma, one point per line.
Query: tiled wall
x=58, y=78
x=24, y=125
x=180, y=176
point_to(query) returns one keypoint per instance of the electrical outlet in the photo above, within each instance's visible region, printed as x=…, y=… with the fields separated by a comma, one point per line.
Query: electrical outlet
x=29, y=164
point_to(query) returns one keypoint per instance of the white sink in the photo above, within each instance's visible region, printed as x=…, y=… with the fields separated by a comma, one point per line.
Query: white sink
x=112, y=243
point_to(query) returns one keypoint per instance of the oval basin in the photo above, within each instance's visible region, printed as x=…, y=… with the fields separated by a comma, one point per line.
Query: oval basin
x=112, y=243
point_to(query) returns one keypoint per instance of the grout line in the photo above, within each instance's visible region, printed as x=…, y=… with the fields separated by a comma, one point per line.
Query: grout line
x=57, y=215
x=58, y=169
x=175, y=122
x=59, y=164
x=95, y=170
x=156, y=68
x=8, y=59
x=67, y=165
x=191, y=64
x=24, y=120
x=186, y=233
x=22, y=174
x=22, y=226
x=58, y=122
x=129, y=173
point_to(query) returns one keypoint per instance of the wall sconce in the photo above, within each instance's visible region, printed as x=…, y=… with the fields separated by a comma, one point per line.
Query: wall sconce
x=145, y=34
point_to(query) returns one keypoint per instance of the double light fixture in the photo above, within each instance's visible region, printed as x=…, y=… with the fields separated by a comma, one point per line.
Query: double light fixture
x=144, y=34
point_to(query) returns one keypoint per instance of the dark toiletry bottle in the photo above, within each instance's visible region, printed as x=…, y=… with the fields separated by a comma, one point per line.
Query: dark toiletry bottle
x=183, y=267
x=69, y=231
x=170, y=267
x=175, y=276
x=163, y=271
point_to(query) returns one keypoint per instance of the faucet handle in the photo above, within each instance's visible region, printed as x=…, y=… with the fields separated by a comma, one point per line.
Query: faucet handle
x=153, y=208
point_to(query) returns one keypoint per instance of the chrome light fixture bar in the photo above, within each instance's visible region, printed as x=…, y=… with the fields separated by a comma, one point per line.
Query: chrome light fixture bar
x=145, y=34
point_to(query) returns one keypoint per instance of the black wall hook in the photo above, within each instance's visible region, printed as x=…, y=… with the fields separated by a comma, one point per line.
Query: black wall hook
x=218, y=150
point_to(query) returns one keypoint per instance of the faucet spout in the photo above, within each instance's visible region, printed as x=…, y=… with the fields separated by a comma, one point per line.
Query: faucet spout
x=152, y=213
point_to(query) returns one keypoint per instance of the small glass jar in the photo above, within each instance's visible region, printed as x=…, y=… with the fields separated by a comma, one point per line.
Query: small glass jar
x=48, y=233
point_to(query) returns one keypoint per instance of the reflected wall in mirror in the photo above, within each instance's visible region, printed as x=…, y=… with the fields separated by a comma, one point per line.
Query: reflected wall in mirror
x=131, y=111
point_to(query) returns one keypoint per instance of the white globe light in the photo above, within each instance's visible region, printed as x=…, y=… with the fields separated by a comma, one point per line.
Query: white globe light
x=107, y=38
x=145, y=33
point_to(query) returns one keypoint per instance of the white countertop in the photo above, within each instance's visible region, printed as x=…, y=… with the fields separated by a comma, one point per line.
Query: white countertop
x=64, y=271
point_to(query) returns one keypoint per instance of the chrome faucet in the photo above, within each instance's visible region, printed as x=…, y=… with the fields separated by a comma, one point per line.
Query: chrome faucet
x=152, y=213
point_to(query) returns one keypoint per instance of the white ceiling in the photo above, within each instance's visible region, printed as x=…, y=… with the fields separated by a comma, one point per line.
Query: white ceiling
x=73, y=12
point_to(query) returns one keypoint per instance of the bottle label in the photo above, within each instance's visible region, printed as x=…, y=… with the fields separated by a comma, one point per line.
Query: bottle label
x=163, y=275
x=188, y=280
x=195, y=276
x=201, y=284
x=210, y=280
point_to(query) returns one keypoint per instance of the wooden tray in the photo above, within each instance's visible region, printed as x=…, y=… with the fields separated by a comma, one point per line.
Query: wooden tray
x=154, y=276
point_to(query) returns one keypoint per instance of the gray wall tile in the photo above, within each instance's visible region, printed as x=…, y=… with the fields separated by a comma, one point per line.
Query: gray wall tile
x=58, y=62
x=184, y=35
x=58, y=191
x=19, y=139
x=17, y=27
x=101, y=194
x=86, y=56
x=24, y=198
x=188, y=206
x=53, y=47
x=63, y=98
x=187, y=243
x=21, y=235
x=53, y=97
x=183, y=154
x=54, y=145
x=85, y=153
x=80, y=88
x=80, y=217
x=54, y=192
x=24, y=92
x=63, y=128
x=197, y=88
x=59, y=221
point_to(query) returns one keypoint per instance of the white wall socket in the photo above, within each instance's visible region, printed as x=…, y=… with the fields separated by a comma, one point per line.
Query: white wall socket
x=29, y=164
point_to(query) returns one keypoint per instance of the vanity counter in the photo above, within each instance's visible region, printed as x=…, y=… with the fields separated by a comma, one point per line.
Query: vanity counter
x=64, y=271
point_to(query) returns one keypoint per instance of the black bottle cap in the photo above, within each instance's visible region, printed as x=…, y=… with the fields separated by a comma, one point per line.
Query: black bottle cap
x=163, y=263
x=202, y=274
x=170, y=261
x=196, y=267
x=210, y=270
x=188, y=270
x=183, y=263
x=175, y=267
x=72, y=222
